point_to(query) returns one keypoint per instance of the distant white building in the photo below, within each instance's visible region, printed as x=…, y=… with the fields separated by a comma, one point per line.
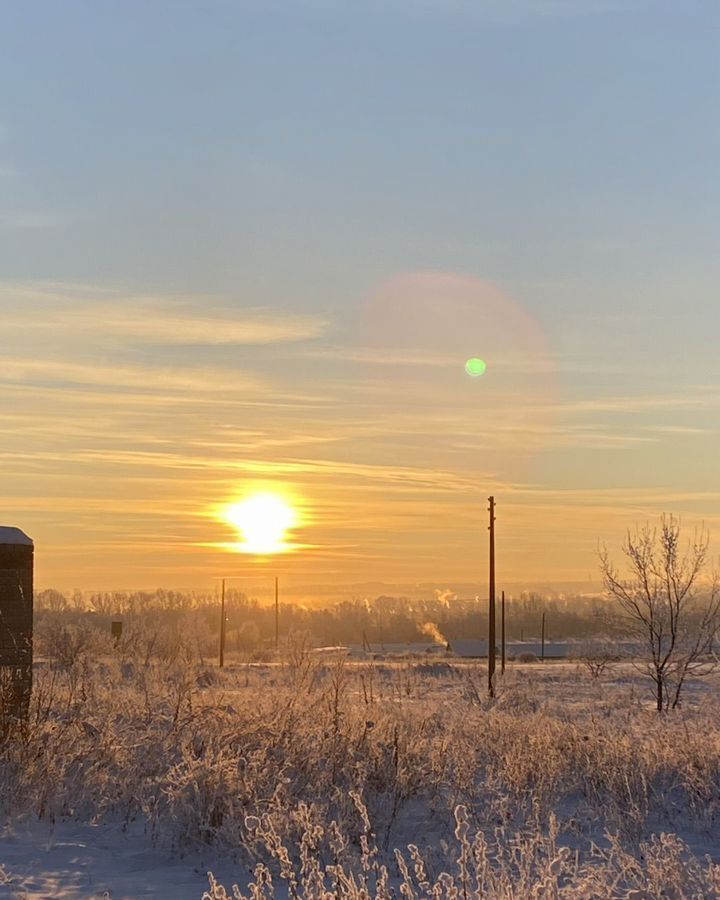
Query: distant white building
x=471, y=648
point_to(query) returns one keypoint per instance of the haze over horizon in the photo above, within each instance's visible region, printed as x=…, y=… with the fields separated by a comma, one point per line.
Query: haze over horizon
x=251, y=246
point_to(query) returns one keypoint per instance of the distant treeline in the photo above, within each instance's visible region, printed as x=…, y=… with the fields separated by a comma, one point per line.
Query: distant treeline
x=251, y=624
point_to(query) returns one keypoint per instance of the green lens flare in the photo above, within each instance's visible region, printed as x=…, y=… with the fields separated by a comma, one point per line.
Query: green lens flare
x=475, y=367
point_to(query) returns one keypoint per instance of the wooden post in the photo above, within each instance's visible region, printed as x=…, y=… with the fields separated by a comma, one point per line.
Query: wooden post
x=491, y=602
x=222, y=624
x=542, y=646
x=277, y=615
x=502, y=633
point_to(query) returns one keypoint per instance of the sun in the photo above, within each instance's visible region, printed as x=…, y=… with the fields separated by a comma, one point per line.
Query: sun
x=262, y=521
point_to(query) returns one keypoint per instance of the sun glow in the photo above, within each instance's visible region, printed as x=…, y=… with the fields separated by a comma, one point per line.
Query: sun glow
x=262, y=521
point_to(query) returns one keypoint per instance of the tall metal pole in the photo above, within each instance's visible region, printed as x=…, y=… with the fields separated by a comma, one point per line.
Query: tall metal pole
x=491, y=602
x=502, y=633
x=222, y=625
x=277, y=615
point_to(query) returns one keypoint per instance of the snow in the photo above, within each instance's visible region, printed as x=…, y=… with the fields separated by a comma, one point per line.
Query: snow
x=83, y=862
x=106, y=755
x=11, y=535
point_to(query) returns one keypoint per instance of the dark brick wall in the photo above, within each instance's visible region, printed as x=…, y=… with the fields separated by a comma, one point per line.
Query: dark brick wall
x=16, y=604
x=16, y=628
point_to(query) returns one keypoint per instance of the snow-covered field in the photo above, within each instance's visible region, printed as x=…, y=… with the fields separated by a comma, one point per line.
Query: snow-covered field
x=135, y=779
x=75, y=860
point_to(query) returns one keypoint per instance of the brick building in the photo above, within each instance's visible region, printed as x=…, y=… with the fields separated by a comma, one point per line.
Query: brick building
x=16, y=621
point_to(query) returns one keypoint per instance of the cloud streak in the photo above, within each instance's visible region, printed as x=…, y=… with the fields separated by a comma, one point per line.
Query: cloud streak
x=53, y=310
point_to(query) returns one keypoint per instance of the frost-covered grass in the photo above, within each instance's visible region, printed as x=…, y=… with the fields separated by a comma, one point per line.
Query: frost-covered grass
x=310, y=773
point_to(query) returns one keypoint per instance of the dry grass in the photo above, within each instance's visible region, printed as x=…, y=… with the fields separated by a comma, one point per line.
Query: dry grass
x=315, y=771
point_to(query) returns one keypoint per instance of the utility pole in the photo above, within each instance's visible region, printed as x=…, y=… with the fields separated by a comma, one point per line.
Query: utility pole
x=491, y=602
x=542, y=646
x=222, y=625
x=502, y=633
x=277, y=616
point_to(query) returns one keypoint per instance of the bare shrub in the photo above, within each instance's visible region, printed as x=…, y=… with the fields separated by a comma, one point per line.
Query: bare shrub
x=298, y=655
x=69, y=643
x=15, y=693
x=597, y=656
x=662, y=607
x=479, y=865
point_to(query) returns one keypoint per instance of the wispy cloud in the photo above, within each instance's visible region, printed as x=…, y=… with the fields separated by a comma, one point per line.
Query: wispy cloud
x=57, y=309
x=146, y=378
x=526, y=363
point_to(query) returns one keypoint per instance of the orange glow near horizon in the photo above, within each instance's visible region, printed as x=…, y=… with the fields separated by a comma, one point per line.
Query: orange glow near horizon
x=373, y=447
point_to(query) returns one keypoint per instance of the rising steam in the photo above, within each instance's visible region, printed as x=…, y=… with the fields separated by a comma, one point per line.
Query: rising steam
x=431, y=630
x=445, y=596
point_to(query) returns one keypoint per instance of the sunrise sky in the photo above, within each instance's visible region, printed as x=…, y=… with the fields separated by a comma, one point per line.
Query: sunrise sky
x=250, y=246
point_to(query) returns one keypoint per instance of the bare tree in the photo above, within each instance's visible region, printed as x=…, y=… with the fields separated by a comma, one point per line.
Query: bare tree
x=667, y=605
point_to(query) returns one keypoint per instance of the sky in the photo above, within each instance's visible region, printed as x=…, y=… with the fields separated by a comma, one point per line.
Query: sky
x=249, y=246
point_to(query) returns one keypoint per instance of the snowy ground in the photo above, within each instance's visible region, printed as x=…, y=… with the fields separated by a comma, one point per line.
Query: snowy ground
x=432, y=715
x=84, y=862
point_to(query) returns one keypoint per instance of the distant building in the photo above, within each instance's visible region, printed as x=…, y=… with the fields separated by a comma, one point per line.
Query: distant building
x=478, y=649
